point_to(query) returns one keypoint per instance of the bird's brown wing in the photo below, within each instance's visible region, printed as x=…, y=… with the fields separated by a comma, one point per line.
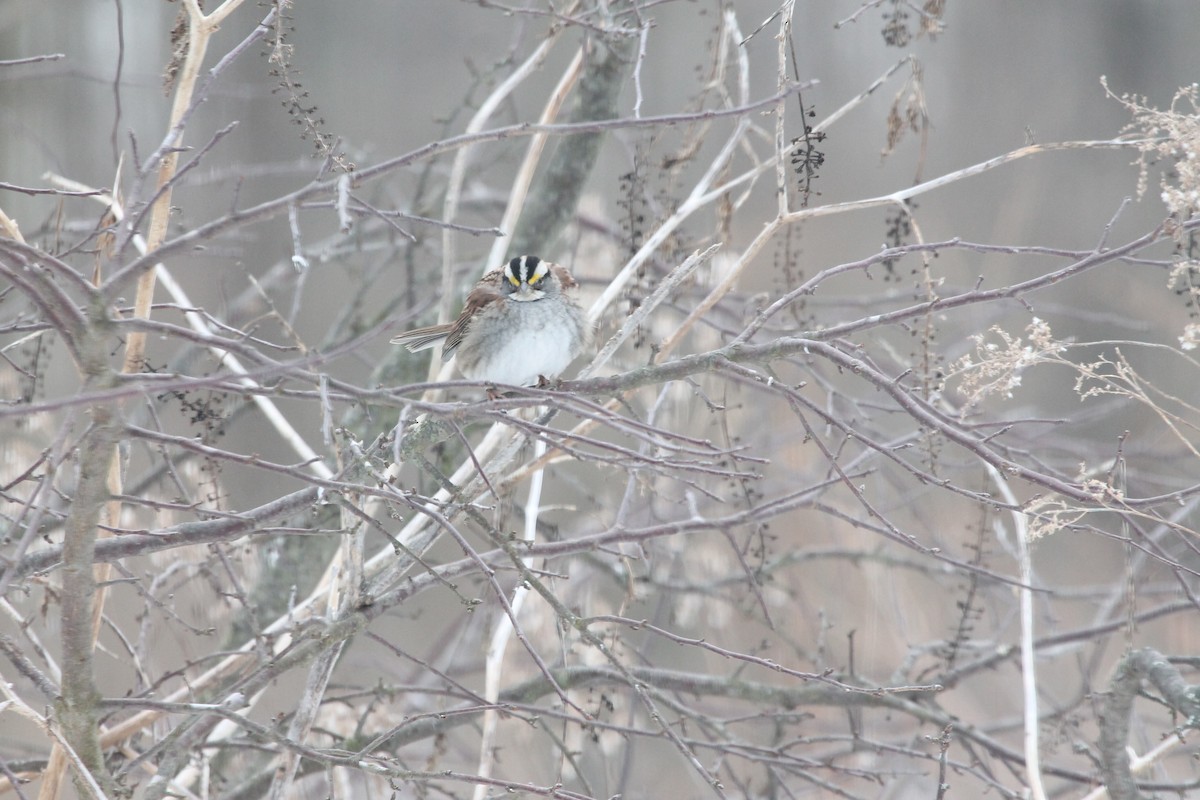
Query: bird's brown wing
x=484, y=293
x=451, y=334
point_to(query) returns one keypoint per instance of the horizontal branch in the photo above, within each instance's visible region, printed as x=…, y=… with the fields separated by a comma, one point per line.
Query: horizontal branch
x=665, y=680
x=12, y=62
x=187, y=533
x=12, y=187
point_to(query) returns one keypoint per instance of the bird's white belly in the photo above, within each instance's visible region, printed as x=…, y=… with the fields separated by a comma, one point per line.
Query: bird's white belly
x=541, y=346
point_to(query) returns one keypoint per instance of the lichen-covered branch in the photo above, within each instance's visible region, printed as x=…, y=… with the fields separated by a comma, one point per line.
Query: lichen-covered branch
x=1136, y=670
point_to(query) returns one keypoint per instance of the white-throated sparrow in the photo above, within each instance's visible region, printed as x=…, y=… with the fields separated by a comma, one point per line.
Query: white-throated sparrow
x=519, y=325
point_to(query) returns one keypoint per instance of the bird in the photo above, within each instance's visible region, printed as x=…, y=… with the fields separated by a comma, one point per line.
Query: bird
x=520, y=326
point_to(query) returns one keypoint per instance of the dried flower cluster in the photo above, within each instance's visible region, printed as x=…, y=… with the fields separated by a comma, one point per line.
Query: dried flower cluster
x=1171, y=136
x=996, y=367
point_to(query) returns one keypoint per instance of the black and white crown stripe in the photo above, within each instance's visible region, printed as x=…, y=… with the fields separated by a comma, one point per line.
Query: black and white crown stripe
x=526, y=269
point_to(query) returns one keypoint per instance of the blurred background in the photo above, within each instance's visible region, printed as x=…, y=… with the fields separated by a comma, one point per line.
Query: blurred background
x=385, y=78
x=388, y=77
